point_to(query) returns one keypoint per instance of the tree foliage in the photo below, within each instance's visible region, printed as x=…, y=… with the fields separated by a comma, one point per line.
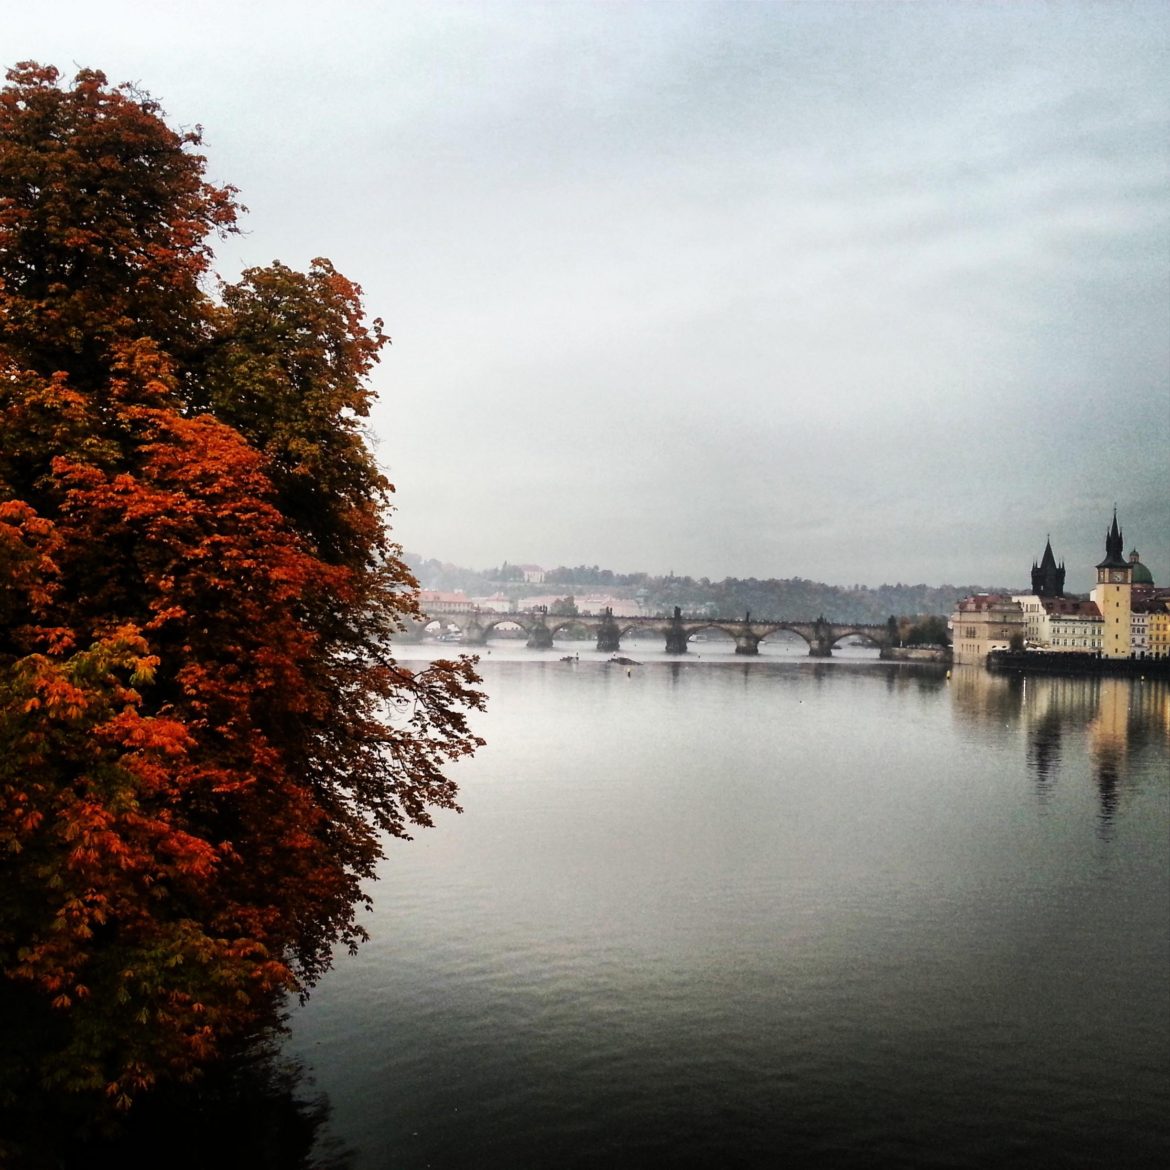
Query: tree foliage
x=930, y=630
x=204, y=740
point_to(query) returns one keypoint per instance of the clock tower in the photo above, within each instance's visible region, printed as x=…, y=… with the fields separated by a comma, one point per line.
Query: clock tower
x=1113, y=594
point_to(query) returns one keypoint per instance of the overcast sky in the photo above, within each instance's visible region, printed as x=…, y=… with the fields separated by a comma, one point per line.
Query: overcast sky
x=854, y=292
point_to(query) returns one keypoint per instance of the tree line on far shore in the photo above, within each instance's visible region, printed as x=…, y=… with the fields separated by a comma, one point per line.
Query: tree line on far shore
x=795, y=598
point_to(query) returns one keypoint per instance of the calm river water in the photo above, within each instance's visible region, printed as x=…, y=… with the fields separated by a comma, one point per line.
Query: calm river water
x=716, y=912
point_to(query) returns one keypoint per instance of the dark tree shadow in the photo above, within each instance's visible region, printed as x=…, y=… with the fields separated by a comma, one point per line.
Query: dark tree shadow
x=256, y=1109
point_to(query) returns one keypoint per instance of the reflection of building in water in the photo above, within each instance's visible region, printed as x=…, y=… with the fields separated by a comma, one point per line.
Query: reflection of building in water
x=1071, y=698
x=1044, y=752
x=1066, y=717
x=986, y=698
x=1108, y=742
x=1049, y=704
x=1150, y=708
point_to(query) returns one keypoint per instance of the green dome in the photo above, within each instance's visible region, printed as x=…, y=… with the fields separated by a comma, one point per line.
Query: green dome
x=1141, y=575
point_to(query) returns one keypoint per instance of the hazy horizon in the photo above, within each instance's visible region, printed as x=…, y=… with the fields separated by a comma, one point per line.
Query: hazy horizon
x=852, y=292
x=413, y=555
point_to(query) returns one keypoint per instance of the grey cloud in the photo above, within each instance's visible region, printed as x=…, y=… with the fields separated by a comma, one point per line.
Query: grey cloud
x=854, y=291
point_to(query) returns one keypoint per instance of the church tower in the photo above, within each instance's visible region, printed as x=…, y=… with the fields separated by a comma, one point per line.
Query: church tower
x=1048, y=576
x=1113, y=595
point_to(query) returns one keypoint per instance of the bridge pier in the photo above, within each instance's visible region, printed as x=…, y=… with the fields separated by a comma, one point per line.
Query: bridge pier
x=609, y=633
x=676, y=636
x=412, y=631
x=745, y=641
x=540, y=637
x=474, y=634
x=822, y=644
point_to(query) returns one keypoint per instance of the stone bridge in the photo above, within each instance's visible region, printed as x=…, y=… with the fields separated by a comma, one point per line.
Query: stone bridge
x=676, y=631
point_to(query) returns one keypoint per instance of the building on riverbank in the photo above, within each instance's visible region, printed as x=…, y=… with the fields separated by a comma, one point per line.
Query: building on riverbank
x=1053, y=620
x=1126, y=617
x=1113, y=594
x=1158, y=628
x=445, y=602
x=1071, y=624
x=985, y=623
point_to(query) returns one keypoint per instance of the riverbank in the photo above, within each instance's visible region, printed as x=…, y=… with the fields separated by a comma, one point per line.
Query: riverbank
x=916, y=654
x=1031, y=662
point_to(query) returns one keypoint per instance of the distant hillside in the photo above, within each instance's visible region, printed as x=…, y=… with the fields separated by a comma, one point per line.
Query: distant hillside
x=792, y=597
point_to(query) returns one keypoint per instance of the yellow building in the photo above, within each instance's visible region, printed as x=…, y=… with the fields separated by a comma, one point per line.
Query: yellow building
x=1158, y=629
x=1113, y=594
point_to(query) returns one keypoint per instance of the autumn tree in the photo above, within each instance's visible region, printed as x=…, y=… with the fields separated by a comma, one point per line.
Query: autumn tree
x=204, y=738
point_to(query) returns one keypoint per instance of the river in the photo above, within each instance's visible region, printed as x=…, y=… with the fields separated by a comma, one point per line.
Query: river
x=710, y=911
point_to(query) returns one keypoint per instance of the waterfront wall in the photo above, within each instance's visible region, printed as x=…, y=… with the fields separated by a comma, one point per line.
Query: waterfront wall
x=1008, y=661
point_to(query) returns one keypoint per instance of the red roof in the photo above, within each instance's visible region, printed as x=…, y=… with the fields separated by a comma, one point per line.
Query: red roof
x=985, y=601
x=1070, y=607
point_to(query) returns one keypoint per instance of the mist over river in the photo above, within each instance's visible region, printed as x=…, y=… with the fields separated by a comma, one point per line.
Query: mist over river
x=710, y=911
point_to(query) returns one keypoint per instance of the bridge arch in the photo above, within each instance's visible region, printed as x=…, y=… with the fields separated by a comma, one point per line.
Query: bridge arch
x=561, y=624
x=639, y=629
x=871, y=639
x=701, y=629
x=489, y=621
x=792, y=632
x=443, y=623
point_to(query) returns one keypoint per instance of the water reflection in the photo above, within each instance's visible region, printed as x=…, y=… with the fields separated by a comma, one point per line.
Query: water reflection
x=258, y=1111
x=1119, y=719
x=918, y=678
x=1108, y=743
x=741, y=913
x=1044, y=754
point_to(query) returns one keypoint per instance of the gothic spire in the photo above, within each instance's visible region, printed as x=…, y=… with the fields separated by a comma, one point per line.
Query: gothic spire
x=1047, y=576
x=1113, y=542
x=1114, y=546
